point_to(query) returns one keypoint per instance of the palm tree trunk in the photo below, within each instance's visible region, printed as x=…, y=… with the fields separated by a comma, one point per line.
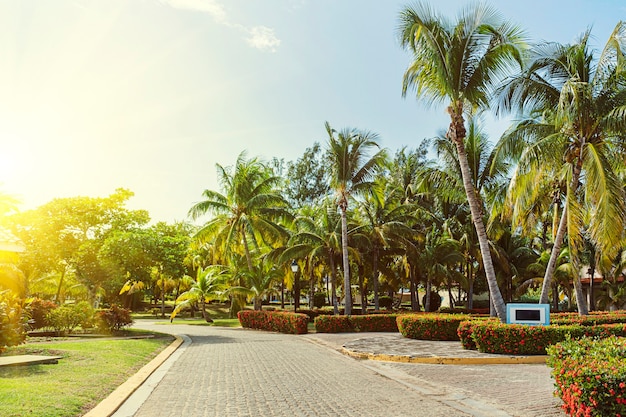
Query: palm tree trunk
x=333, y=285
x=428, y=292
x=375, y=278
x=346, y=262
x=457, y=135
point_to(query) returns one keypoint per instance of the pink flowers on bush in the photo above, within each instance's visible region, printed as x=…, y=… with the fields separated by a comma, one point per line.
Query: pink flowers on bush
x=290, y=323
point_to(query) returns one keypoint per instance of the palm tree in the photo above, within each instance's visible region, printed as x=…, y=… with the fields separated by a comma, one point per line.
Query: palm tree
x=459, y=63
x=352, y=169
x=246, y=213
x=318, y=239
x=577, y=108
x=259, y=282
x=210, y=284
x=386, y=223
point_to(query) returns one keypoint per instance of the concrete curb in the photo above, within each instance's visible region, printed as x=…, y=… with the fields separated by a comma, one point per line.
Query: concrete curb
x=438, y=360
x=110, y=404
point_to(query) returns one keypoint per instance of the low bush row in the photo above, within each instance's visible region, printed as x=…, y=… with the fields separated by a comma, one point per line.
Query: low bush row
x=590, y=376
x=291, y=323
x=365, y=323
x=430, y=326
x=491, y=336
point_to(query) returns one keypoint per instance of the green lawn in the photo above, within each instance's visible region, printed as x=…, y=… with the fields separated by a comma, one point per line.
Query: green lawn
x=89, y=371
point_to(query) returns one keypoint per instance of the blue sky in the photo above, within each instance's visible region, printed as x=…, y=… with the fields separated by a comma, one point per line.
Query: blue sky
x=150, y=94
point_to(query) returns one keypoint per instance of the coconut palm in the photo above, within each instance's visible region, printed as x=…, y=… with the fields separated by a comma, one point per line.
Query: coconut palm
x=459, y=62
x=352, y=170
x=386, y=222
x=577, y=108
x=210, y=284
x=317, y=239
x=246, y=213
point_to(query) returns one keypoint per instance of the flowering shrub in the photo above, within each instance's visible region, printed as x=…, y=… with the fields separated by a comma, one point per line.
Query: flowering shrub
x=333, y=324
x=599, y=317
x=590, y=376
x=518, y=339
x=365, y=323
x=430, y=326
x=291, y=323
x=465, y=331
x=38, y=310
x=113, y=319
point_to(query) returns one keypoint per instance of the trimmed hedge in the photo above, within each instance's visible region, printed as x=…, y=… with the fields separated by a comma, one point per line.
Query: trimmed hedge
x=365, y=323
x=590, y=376
x=518, y=339
x=428, y=326
x=290, y=323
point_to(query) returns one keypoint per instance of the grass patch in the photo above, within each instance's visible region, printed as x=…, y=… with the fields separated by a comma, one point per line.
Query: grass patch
x=89, y=371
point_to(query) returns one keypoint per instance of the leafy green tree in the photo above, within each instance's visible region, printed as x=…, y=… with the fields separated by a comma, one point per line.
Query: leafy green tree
x=352, y=169
x=460, y=62
x=577, y=122
x=307, y=178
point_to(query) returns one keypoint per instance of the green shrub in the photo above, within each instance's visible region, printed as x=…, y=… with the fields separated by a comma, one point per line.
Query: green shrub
x=38, y=311
x=67, y=318
x=290, y=323
x=319, y=299
x=384, y=301
x=590, y=376
x=113, y=319
x=429, y=326
x=12, y=322
x=435, y=301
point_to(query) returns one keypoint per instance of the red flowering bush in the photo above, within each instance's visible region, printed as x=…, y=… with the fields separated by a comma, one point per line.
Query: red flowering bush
x=375, y=323
x=290, y=323
x=590, y=376
x=333, y=324
x=113, y=319
x=518, y=339
x=594, y=319
x=465, y=331
x=38, y=311
x=365, y=323
x=430, y=326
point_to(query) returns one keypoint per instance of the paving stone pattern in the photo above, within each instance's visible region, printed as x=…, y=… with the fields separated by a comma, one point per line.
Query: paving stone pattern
x=237, y=372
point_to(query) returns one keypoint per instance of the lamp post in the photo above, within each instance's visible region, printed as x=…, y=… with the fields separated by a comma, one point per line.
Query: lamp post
x=296, y=286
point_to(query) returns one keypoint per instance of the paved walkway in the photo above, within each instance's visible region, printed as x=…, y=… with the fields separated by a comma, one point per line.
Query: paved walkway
x=235, y=372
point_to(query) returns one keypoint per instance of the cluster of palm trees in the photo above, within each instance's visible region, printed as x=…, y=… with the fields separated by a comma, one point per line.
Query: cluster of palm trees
x=547, y=198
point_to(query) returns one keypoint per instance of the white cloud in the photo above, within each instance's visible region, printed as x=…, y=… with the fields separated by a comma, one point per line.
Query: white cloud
x=263, y=38
x=259, y=37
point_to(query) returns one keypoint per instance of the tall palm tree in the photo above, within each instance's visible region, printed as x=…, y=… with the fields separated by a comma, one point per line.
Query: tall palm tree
x=352, y=169
x=577, y=108
x=248, y=210
x=459, y=62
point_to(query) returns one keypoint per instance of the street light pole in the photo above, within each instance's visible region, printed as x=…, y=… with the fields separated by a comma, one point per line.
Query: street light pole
x=296, y=286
